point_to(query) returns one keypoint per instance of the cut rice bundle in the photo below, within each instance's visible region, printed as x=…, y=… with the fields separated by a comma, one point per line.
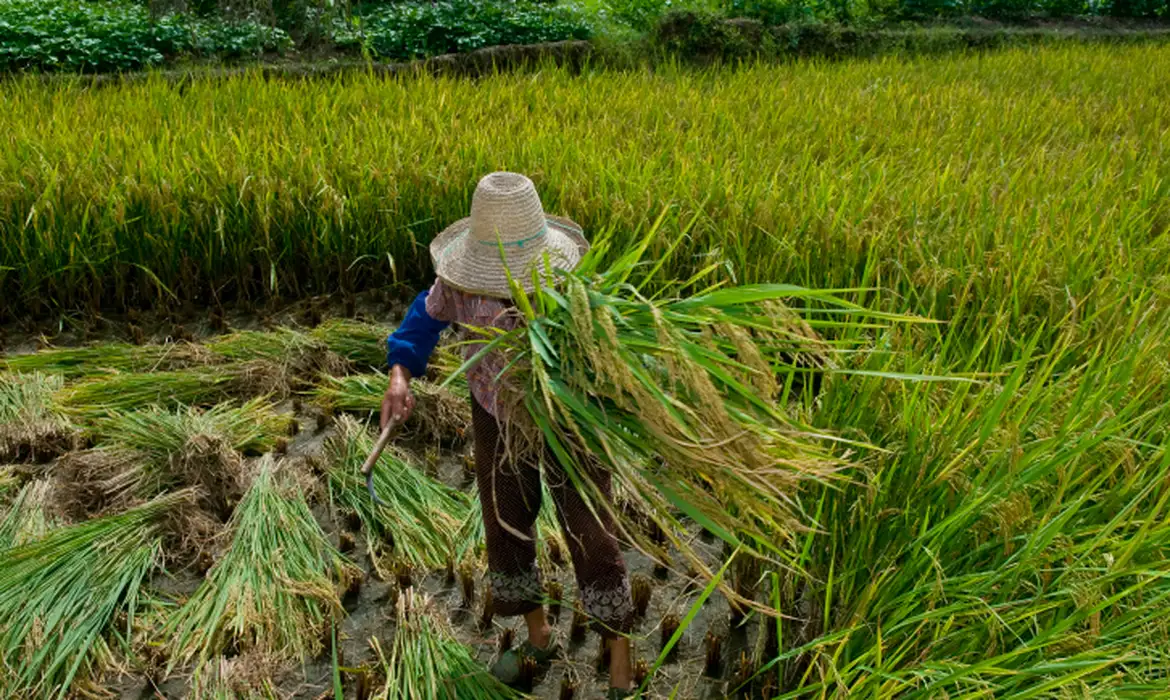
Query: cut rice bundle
x=31, y=427
x=276, y=587
x=187, y=447
x=439, y=413
x=420, y=522
x=61, y=594
x=249, y=676
x=111, y=394
x=252, y=427
x=363, y=344
x=30, y=515
x=300, y=356
x=676, y=395
x=426, y=661
x=96, y=360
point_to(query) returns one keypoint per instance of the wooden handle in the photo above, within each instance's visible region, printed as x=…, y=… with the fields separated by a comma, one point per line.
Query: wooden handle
x=380, y=445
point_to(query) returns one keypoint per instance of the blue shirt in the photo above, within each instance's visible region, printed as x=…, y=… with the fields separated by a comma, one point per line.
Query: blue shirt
x=412, y=343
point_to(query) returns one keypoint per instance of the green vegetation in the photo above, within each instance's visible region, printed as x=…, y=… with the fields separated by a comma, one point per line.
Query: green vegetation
x=275, y=589
x=418, y=29
x=60, y=596
x=75, y=35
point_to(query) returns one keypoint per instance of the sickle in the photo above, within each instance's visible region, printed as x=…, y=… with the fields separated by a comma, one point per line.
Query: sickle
x=368, y=468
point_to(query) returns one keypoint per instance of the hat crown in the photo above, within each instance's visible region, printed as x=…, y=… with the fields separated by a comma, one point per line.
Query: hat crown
x=506, y=208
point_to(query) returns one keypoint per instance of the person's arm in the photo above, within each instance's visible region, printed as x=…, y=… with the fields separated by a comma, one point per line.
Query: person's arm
x=409, y=349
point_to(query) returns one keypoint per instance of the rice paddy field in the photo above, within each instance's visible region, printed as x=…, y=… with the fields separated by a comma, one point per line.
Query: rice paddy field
x=197, y=278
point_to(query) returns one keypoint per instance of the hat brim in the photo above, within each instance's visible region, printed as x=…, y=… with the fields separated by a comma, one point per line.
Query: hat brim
x=478, y=268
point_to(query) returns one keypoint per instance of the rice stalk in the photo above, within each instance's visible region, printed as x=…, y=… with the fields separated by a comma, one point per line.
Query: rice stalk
x=106, y=396
x=96, y=360
x=420, y=523
x=60, y=596
x=275, y=588
x=29, y=516
x=439, y=413
x=676, y=396
x=31, y=427
x=426, y=661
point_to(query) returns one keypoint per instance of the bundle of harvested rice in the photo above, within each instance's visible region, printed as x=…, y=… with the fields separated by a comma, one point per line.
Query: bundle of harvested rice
x=31, y=428
x=276, y=587
x=363, y=344
x=676, y=395
x=439, y=413
x=29, y=515
x=249, y=676
x=426, y=661
x=252, y=427
x=420, y=521
x=300, y=355
x=60, y=595
x=97, y=360
x=100, y=481
x=197, y=386
x=186, y=447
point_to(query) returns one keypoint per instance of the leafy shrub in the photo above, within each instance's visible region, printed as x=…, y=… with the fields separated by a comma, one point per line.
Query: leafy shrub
x=416, y=30
x=769, y=12
x=100, y=36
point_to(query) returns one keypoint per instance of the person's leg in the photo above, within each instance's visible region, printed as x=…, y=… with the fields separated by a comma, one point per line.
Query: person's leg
x=509, y=494
x=598, y=564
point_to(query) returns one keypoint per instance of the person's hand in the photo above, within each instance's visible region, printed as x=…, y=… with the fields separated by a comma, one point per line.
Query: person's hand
x=398, y=402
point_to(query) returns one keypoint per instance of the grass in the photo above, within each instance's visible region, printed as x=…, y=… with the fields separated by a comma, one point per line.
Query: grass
x=419, y=524
x=68, y=599
x=274, y=591
x=426, y=661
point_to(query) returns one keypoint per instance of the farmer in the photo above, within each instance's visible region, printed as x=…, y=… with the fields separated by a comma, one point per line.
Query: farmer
x=472, y=291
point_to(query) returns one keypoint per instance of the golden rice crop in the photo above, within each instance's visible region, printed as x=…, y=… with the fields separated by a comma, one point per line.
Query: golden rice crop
x=1023, y=184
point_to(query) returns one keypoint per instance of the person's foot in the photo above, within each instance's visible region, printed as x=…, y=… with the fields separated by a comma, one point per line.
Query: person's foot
x=509, y=668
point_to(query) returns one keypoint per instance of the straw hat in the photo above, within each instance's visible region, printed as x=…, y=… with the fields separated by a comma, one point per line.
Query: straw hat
x=505, y=211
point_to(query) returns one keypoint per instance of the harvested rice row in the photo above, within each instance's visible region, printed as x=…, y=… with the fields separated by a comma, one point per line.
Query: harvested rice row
x=61, y=594
x=419, y=524
x=276, y=587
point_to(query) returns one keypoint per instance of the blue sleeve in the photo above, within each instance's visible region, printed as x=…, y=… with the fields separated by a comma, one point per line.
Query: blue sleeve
x=412, y=343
